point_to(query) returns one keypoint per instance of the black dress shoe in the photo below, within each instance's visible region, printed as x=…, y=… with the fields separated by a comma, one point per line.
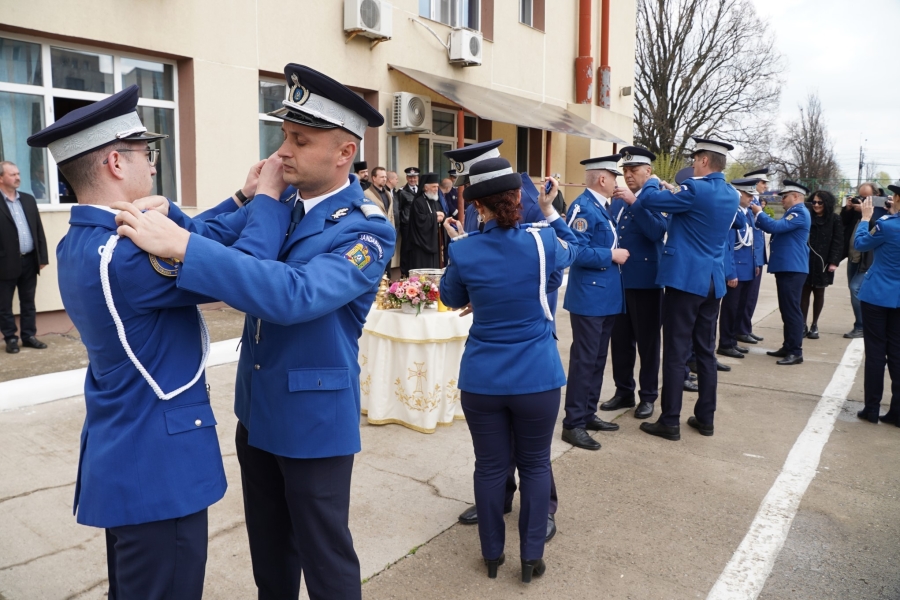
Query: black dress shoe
x=598, y=424
x=664, y=431
x=493, y=564
x=12, y=347
x=746, y=339
x=855, y=333
x=33, y=342
x=617, y=402
x=690, y=386
x=692, y=366
x=742, y=349
x=890, y=417
x=729, y=352
x=644, y=410
x=692, y=376
x=790, y=359
x=721, y=367
x=870, y=415
x=706, y=430
x=805, y=331
x=756, y=337
x=579, y=438
x=532, y=567
x=551, y=528
x=780, y=353
x=469, y=516
x=813, y=332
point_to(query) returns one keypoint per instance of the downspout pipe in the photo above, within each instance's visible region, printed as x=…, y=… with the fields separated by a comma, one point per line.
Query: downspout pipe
x=603, y=98
x=584, y=63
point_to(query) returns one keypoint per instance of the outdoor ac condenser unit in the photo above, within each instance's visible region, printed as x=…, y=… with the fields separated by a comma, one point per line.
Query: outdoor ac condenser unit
x=410, y=113
x=371, y=18
x=466, y=47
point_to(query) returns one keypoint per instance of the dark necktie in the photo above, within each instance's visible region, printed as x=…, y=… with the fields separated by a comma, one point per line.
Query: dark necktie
x=296, y=216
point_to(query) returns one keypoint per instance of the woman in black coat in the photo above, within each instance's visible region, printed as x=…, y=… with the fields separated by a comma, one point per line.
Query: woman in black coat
x=826, y=241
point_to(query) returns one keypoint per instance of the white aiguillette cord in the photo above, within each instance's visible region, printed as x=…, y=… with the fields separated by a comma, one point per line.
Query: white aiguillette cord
x=106, y=253
x=534, y=229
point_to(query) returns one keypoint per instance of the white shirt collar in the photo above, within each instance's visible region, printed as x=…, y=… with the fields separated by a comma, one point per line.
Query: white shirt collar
x=603, y=201
x=8, y=199
x=106, y=208
x=310, y=203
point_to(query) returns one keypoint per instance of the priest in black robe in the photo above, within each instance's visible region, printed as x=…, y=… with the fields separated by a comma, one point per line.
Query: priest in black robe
x=425, y=221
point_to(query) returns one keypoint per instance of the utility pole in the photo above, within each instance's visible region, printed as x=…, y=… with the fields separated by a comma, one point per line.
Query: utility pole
x=861, y=163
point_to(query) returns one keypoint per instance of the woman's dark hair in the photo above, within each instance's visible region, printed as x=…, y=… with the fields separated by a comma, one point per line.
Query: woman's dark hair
x=826, y=197
x=505, y=206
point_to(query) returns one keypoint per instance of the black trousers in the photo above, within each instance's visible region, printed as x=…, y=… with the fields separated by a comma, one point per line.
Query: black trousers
x=745, y=326
x=493, y=420
x=882, y=339
x=638, y=327
x=689, y=319
x=162, y=560
x=587, y=360
x=734, y=306
x=790, y=289
x=27, y=284
x=297, y=512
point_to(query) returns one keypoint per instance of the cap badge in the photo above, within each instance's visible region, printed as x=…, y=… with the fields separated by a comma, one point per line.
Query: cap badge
x=299, y=94
x=458, y=166
x=627, y=158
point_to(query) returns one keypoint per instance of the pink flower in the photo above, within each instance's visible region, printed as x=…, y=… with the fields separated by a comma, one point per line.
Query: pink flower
x=414, y=278
x=414, y=301
x=411, y=292
x=394, y=287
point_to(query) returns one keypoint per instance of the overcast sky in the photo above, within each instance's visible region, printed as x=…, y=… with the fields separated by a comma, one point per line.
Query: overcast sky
x=844, y=50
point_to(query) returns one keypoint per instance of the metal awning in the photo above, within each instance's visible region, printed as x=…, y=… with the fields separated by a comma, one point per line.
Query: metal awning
x=507, y=108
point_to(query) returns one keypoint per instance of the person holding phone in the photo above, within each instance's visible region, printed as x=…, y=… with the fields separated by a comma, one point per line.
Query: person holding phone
x=511, y=372
x=826, y=239
x=879, y=298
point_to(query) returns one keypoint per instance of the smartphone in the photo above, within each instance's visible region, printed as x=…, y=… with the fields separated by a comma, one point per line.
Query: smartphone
x=548, y=187
x=878, y=201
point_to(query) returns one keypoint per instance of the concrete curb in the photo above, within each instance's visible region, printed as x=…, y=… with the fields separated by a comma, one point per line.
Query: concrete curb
x=29, y=391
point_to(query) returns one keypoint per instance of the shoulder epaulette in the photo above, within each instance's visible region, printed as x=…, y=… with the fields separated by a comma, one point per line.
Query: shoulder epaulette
x=538, y=225
x=463, y=236
x=370, y=209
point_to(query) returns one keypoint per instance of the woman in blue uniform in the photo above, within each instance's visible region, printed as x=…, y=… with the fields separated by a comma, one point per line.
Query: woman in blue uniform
x=511, y=372
x=879, y=298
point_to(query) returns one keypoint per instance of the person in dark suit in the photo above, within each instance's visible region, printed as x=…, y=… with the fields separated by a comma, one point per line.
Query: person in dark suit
x=23, y=253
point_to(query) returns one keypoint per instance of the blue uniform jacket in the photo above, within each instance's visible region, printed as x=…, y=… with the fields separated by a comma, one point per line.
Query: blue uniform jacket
x=760, y=255
x=511, y=347
x=741, y=262
x=595, y=282
x=790, y=234
x=641, y=232
x=532, y=213
x=297, y=388
x=143, y=459
x=881, y=285
x=702, y=212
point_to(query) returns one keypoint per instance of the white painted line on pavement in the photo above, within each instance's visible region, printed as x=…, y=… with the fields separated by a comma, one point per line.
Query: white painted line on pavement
x=39, y=389
x=749, y=568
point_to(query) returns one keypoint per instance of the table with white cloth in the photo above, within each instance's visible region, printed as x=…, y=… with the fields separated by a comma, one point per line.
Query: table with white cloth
x=409, y=367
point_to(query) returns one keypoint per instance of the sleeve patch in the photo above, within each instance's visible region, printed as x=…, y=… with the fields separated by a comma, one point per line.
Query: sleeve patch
x=167, y=267
x=372, y=241
x=789, y=217
x=580, y=225
x=359, y=255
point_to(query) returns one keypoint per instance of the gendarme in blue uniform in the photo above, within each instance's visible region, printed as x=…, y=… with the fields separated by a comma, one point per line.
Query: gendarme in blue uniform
x=881, y=285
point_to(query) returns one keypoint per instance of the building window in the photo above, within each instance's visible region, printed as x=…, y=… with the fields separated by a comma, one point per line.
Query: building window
x=522, y=149
x=531, y=13
x=40, y=83
x=271, y=95
x=441, y=139
x=455, y=13
x=393, y=155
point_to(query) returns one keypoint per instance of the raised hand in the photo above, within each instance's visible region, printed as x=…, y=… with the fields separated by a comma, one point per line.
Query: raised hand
x=249, y=189
x=625, y=194
x=545, y=200
x=151, y=231
x=271, y=178
x=157, y=203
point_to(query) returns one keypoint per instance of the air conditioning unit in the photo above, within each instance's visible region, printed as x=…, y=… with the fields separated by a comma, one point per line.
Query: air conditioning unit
x=370, y=18
x=411, y=113
x=466, y=47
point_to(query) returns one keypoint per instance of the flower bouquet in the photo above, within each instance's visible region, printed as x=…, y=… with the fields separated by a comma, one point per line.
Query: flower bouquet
x=413, y=293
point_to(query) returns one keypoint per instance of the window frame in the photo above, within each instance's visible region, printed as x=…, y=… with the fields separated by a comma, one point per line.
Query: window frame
x=444, y=139
x=48, y=93
x=456, y=20
x=264, y=116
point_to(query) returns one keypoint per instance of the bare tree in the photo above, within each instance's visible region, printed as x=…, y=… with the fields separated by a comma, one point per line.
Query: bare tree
x=806, y=152
x=703, y=67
